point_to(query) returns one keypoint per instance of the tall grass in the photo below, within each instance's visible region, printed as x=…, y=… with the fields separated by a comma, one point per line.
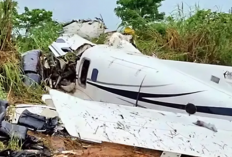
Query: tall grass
x=204, y=36
x=11, y=84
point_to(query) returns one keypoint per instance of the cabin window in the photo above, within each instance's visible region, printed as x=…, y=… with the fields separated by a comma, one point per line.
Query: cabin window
x=60, y=41
x=84, y=72
x=66, y=49
x=94, y=75
x=215, y=79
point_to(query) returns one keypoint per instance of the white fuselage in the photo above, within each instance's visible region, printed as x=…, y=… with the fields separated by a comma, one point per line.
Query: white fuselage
x=134, y=79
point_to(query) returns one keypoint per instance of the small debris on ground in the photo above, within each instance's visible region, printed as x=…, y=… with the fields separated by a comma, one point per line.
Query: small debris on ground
x=206, y=125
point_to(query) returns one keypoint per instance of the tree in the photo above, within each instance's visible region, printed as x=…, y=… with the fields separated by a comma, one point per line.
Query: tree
x=33, y=18
x=34, y=29
x=138, y=12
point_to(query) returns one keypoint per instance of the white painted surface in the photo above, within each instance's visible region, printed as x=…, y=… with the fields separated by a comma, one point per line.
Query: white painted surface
x=168, y=154
x=123, y=70
x=166, y=131
x=75, y=41
x=122, y=42
x=72, y=41
x=45, y=97
x=203, y=72
x=86, y=29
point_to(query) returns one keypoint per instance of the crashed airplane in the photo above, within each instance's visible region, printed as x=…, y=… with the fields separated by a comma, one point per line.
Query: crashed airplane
x=135, y=93
x=119, y=73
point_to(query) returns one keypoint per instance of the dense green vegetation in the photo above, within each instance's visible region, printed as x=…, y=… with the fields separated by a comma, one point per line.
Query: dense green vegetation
x=33, y=29
x=202, y=36
x=138, y=12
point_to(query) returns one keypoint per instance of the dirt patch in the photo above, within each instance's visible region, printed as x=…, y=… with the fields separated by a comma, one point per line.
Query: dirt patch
x=72, y=148
x=111, y=150
x=56, y=143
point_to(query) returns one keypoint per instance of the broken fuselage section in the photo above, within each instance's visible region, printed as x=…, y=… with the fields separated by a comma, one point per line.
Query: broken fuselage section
x=119, y=73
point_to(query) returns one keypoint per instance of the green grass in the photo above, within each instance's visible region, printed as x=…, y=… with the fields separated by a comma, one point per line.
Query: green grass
x=12, y=144
x=11, y=84
x=203, y=37
x=12, y=87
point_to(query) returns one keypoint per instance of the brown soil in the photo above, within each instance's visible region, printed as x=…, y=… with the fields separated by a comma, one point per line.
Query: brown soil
x=111, y=150
x=73, y=148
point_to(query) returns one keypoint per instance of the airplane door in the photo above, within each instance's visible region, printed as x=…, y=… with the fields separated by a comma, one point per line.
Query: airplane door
x=81, y=83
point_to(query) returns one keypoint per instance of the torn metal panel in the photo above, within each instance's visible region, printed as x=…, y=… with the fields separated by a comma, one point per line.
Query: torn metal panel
x=168, y=154
x=31, y=61
x=59, y=49
x=75, y=41
x=123, y=42
x=82, y=20
x=31, y=66
x=85, y=28
x=69, y=43
x=13, y=130
x=42, y=110
x=165, y=131
x=38, y=122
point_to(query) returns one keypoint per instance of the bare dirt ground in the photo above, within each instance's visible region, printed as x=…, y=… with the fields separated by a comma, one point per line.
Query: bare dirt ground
x=73, y=148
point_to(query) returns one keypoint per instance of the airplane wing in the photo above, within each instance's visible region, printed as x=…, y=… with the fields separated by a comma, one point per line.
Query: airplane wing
x=146, y=128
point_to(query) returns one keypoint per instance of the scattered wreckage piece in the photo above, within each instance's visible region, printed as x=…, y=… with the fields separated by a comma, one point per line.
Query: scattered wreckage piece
x=116, y=36
x=61, y=73
x=78, y=45
x=57, y=69
x=38, y=123
x=69, y=43
x=25, y=153
x=122, y=42
x=88, y=29
x=145, y=128
x=32, y=67
x=3, y=106
x=42, y=110
x=56, y=72
x=40, y=118
x=60, y=67
x=13, y=131
x=10, y=132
